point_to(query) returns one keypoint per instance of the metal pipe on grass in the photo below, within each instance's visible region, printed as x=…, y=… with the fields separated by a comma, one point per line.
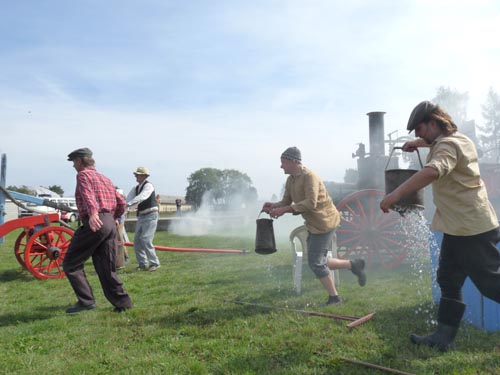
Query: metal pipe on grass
x=355, y=321
x=378, y=367
x=192, y=249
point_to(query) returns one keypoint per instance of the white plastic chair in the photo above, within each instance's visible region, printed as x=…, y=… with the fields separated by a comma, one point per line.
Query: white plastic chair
x=299, y=235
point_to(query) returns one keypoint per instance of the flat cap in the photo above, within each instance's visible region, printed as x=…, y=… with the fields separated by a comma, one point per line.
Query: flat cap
x=420, y=114
x=78, y=153
x=142, y=170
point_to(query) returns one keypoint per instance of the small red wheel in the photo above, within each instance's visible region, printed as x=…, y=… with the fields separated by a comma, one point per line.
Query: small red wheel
x=366, y=232
x=45, y=252
x=20, y=248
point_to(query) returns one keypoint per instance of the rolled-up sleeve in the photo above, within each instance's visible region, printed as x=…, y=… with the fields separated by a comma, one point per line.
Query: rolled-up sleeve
x=311, y=189
x=444, y=159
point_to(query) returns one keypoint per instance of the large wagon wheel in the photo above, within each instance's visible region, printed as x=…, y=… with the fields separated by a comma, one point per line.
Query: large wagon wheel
x=20, y=248
x=45, y=252
x=366, y=232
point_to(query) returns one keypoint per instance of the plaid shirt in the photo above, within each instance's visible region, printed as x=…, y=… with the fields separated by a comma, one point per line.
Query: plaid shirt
x=96, y=193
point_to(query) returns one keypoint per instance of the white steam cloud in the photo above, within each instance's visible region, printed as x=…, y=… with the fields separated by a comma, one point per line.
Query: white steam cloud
x=237, y=219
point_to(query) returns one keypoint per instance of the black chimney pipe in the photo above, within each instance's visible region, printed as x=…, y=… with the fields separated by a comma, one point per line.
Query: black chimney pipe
x=376, y=124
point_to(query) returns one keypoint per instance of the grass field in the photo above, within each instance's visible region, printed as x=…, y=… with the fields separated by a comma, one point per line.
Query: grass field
x=181, y=324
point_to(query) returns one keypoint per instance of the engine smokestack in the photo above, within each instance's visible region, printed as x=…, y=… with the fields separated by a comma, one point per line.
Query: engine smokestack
x=376, y=125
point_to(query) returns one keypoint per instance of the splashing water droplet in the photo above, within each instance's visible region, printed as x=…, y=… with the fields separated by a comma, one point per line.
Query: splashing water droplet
x=418, y=240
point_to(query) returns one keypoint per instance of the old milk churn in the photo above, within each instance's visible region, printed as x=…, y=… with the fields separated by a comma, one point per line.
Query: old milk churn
x=264, y=237
x=394, y=178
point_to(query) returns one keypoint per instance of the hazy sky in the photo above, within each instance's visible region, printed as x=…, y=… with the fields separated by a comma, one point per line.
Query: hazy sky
x=181, y=85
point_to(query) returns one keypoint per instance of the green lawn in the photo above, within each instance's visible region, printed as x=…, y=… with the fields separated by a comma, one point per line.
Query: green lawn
x=181, y=323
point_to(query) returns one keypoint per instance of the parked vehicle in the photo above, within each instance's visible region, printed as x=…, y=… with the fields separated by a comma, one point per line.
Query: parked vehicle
x=67, y=216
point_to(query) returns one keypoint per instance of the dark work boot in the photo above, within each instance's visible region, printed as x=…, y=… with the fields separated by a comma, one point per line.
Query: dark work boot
x=443, y=338
x=358, y=268
x=334, y=300
x=77, y=307
x=449, y=316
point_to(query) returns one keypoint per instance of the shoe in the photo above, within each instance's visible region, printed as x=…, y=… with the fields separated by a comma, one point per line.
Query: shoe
x=127, y=259
x=76, y=308
x=443, y=338
x=141, y=268
x=153, y=268
x=120, y=309
x=334, y=300
x=358, y=268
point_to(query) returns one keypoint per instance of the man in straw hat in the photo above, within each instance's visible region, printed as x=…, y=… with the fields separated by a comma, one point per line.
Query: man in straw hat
x=463, y=213
x=99, y=205
x=143, y=198
x=306, y=194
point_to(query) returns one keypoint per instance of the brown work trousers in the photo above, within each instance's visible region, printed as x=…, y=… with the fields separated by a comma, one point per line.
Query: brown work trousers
x=102, y=247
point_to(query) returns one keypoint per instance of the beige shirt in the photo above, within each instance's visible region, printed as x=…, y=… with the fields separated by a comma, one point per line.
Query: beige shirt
x=310, y=198
x=462, y=205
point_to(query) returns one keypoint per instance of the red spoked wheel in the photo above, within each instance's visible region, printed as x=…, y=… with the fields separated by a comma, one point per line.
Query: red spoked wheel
x=45, y=251
x=20, y=248
x=366, y=232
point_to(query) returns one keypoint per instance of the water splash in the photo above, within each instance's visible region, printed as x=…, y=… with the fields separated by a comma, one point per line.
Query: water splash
x=419, y=237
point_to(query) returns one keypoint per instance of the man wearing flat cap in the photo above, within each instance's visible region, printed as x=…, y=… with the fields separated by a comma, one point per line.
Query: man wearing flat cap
x=142, y=198
x=463, y=213
x=99, y=206
x=306, y=194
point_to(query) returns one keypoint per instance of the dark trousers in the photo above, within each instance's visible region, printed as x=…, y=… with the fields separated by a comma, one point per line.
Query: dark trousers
x=102, y=247
x=476, y=257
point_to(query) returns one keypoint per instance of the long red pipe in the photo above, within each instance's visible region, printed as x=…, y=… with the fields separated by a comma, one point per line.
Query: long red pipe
x=193, y=250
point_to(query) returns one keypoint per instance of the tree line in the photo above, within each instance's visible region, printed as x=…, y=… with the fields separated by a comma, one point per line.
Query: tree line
x=487, y=137
x=23, y=189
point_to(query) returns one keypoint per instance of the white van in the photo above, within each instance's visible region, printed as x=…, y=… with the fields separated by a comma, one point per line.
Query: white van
x=68, y=216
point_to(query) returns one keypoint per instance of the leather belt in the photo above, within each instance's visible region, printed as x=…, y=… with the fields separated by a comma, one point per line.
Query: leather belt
x=147, y=211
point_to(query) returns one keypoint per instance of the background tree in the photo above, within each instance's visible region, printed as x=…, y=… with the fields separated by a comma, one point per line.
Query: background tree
x=489, y=138
x=202, y=181
x=23, y=189
x=351, y=176
x=237, y=188
x=219, y=188
x=454, y=102
x=56, y=189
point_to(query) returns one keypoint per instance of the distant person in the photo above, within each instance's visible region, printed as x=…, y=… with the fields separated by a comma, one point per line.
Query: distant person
x=305, y=194
x=143, y=199
x=463, y=213
x=99, y=206
x=178, y=205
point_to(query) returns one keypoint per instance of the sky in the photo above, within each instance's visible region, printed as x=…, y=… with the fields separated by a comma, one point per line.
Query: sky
x=176, y=86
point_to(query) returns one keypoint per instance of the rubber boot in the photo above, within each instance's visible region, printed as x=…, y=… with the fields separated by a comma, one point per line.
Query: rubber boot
x=449, y=316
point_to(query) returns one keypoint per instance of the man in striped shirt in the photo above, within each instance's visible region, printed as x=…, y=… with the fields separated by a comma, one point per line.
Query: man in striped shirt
x=99, y=205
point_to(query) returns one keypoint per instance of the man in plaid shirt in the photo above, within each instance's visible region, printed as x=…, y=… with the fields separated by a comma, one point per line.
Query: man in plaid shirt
x=99, y=205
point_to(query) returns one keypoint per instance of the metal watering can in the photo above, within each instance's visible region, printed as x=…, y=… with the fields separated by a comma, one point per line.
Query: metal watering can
x=395, y=177
x=264, y=238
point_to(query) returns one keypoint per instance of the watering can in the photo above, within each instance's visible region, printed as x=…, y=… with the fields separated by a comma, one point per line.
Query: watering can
x=264, y=237
x=395, y=177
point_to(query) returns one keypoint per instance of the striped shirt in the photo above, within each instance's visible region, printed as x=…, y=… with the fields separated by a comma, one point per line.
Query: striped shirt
x=95, y=193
